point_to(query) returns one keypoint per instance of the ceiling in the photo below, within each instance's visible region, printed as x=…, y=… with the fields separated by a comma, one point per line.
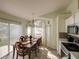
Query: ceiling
x=31, y=8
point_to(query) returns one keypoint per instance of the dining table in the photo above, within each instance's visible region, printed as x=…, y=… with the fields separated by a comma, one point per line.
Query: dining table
x=27, y=44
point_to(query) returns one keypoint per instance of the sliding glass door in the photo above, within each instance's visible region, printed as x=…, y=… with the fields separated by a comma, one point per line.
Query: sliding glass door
x=9, y=34
x=3, y=34
x=15, y=33
x=4, y=39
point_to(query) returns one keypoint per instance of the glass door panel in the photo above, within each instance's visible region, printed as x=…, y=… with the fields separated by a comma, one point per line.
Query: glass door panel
x=9, y=34
x=29, y=30
x=15, y=33
x=4, y=39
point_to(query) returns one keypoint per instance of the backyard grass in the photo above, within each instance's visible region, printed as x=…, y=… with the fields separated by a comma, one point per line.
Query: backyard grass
x=3, y=43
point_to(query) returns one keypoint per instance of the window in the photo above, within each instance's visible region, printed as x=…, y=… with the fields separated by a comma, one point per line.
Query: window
x=28, y=30
x=38, y=31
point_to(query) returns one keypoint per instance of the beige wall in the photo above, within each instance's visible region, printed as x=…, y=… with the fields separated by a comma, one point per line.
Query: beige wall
x=57, y=24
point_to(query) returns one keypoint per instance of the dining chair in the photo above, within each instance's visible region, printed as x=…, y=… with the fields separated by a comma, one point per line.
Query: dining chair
x=34, y=49
x=39, y=43
x=26, y=36
x=21, y=38
x=22, y=51
x=30, y=39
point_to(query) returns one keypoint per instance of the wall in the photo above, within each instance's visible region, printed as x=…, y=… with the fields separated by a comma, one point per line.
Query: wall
x=57, y=24
x=49, y=31
x=57, y=20
x=51, y=34
x=52, y=31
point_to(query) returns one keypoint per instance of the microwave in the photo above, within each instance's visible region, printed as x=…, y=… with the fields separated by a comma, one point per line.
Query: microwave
x=73, y=29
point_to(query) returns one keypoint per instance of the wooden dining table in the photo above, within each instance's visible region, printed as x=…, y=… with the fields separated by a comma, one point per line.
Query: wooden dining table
x=26, y=44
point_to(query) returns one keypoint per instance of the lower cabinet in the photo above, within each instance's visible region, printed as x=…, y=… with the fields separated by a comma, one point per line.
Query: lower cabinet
x=59, y=48
x=72, y=56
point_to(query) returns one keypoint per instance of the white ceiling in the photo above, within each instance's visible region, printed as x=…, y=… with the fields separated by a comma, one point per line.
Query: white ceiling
x=31, y=8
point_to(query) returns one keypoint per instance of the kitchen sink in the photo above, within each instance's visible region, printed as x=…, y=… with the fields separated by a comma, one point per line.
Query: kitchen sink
x=71, y=47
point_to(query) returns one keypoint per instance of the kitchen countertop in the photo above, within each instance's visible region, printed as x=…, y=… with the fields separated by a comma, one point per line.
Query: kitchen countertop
x=74, y=35
x=63, y=39
x=74, y=55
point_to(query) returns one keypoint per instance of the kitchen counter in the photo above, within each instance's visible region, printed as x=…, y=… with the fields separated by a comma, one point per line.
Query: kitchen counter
x=63, y=39
x=74, y=35
x=74, y=55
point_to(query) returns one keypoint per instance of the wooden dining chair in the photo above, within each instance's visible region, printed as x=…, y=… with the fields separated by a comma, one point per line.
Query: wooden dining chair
x=34, y=49
x=39, y=43
x=26, y=37
x=22, y=51
x=13, y=51
x=22, y=38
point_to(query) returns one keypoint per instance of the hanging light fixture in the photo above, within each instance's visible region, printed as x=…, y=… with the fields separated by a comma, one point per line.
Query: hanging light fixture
x=32, y=19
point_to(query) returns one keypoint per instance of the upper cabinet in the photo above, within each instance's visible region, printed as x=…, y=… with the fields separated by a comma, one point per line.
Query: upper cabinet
x=77, y=18
x=74, y=19
x=70, y=20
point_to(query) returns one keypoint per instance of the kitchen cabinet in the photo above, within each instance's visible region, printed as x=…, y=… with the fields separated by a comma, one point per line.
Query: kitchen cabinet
x=77, y=18
x=72, y=56
x=70, y=20
x=74, y=19
x=59, y=47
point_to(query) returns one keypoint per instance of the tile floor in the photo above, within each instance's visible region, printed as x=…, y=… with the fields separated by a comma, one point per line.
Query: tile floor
x=43, y=54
